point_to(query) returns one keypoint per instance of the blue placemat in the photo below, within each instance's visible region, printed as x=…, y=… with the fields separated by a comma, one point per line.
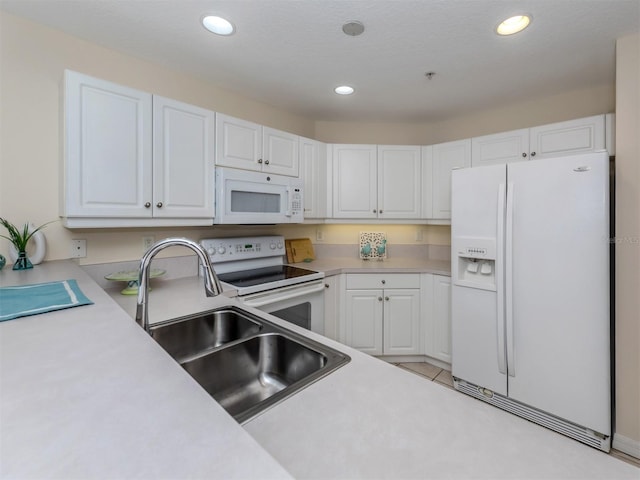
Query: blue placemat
x=23, y=300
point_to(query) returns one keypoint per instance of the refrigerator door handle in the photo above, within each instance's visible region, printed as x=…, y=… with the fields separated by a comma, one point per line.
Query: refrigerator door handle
x=500, y=323
x=508, y=261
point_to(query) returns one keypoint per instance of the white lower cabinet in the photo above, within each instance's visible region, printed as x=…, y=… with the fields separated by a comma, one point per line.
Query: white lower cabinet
x=332, y=305
x=437, y=296
x=382, y=313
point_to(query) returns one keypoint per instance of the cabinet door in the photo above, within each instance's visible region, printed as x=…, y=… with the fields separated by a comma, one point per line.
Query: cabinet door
x=568, y=138
x=354, y=181
x=313, y=170
x=440, y=344
x=238, y=143
x=427, y=181
x=501, y=148
x=399, y=192
x=363, y=320
x=401, y=322
x=108, y=149
x=446, y=157
x=332, y=299
x=280, y=152
x=183, y=165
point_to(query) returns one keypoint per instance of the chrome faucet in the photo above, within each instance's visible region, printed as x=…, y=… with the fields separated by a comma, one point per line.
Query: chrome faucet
x=211, y=283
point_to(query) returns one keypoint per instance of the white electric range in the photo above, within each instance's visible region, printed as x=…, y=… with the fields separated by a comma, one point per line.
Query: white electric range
x=255, y=267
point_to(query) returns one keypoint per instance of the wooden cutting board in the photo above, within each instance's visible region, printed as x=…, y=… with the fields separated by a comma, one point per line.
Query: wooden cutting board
x=299, y=250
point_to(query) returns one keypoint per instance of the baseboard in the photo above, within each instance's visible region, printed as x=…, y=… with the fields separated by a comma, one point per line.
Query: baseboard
x=626, y=445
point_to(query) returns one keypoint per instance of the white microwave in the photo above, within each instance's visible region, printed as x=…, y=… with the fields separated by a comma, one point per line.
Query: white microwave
x=244, y=197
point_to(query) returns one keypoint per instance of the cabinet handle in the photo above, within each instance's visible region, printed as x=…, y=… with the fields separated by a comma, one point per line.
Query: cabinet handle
x=386, y=298
x=380, y=211
x=375, y=211
x=147, y=205
x=379, y=299
x=524, y=155
x=266, y=162
x=259, y=160
x=533, y=154
x=326, y=285
x=383, y=281
x=159, y=204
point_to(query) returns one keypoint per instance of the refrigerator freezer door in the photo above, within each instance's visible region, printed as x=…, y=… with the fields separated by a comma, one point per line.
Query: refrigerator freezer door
x=477, y=328
x=560, y=272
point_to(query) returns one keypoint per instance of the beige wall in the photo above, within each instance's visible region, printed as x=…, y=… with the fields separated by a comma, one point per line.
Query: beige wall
x=569, y=105
x=627, y=245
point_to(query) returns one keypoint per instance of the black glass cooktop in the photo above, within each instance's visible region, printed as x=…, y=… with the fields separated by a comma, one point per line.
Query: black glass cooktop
x=258, y=276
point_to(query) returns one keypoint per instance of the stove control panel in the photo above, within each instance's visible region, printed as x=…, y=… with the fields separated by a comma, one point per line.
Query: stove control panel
x=243, y=248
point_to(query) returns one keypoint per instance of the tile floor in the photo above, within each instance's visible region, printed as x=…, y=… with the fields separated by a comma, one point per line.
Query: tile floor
x=428, y=371
x=443, y=377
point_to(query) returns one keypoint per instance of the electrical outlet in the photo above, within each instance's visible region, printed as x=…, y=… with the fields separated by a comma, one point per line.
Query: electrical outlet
x=418, y=235
x=319, y=235
x=147, y=242
x=78, y=248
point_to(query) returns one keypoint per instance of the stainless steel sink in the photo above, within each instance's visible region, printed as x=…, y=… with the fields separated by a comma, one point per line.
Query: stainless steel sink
x=252, y=364
x=194, y=335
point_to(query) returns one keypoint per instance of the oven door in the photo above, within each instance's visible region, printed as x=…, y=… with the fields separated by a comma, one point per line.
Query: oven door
x=301, y=304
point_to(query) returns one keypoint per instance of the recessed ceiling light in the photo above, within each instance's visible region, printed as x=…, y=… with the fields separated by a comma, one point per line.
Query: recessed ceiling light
x=353, y=28
x=513, y=25
x=218, y=25
x=344, y=90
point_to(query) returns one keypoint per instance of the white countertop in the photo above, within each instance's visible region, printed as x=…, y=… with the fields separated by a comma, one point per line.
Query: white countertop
x=85, y=393
x=337, y=265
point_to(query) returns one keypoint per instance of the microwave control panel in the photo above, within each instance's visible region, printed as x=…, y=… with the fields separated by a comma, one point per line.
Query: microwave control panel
x=297, y=203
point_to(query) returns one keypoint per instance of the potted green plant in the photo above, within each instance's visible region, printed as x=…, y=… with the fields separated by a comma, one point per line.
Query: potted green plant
x=19, y=238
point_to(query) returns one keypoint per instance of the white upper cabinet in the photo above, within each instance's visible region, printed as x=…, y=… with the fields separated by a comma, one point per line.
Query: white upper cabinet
x=501, y=148
x=238, y=143
x=376, y=182
x=313, y=170
x=108, y=150
x=183, y=160
x=399, y=192
x=568, y=138
x=132, y=159
x=447, y=157
x=355, y=181
x=280, y=152
x=554, y=140
x=427, y=181
x=249, y=146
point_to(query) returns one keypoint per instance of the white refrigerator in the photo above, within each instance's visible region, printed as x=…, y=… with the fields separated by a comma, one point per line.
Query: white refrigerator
x=530, y=291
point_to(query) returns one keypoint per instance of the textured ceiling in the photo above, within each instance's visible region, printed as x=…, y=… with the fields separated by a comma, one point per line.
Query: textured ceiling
x=292, y=53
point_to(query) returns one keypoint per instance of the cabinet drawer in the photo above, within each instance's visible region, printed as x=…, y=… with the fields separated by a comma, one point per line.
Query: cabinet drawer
x=383, y=280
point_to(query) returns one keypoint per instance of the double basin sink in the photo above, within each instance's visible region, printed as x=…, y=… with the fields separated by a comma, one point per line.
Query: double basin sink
x=244, y=361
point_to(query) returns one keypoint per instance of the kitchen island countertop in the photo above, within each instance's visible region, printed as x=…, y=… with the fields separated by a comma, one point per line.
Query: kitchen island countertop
x=85, y=393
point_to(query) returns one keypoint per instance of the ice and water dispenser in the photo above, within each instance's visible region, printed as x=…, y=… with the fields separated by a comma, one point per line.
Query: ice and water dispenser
x=476, y=262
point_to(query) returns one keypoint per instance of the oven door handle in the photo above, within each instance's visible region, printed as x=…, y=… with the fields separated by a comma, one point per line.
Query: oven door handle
x=270, y=298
